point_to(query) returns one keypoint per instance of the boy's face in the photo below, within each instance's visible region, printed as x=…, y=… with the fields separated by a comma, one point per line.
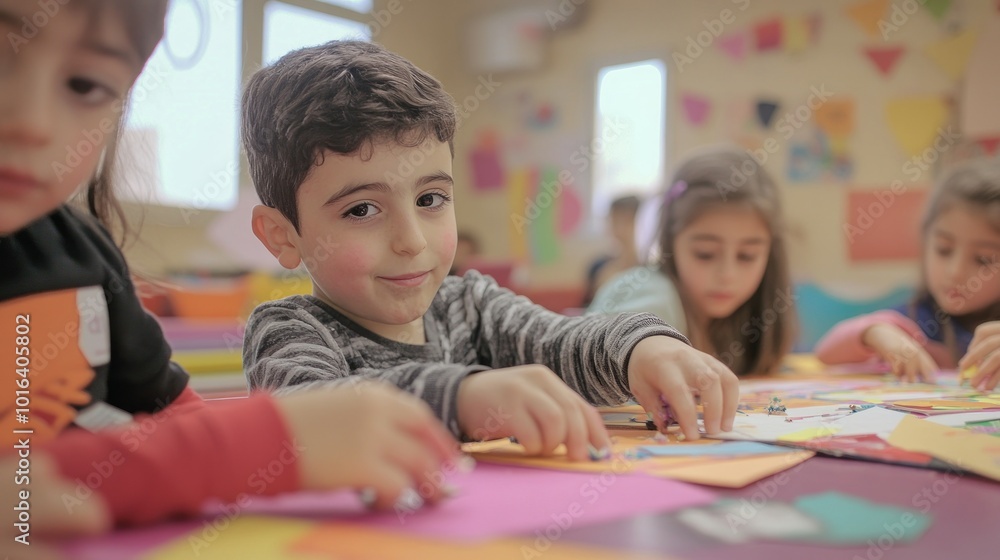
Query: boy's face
x=378, y=235
x=60, y=95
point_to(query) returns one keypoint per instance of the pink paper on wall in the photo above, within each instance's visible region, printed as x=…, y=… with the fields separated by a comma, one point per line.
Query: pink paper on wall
x=496, y=500
x=696, y=108
x=734, y=45
x=570, y=210
x=487, y=169
x=884, y=225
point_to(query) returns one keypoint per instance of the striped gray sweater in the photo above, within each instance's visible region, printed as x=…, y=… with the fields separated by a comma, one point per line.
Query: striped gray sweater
x=472, y=325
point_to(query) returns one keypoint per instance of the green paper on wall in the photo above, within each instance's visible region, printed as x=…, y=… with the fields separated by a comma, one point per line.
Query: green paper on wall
x=545, y=236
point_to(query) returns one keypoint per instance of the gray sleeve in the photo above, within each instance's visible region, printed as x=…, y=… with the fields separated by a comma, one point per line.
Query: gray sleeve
x=641, y=289
x=589, y=353
x=286, y=349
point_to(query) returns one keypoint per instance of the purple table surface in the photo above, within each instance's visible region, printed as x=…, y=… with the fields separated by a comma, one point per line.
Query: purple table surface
x=965, y=512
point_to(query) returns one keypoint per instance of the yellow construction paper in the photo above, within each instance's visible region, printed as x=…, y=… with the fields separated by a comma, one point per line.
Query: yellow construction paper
x=733, y=473
x=968, y=373
x=979, y=453
x=245, y=536
x=867, y=14
x=810, y=433
x=333, y=540
x=518, y=186
x=796, y=34
x=915, y=121
x=952, y=54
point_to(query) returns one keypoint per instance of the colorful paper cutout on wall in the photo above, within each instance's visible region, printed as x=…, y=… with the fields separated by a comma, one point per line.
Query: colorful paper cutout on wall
x=989, y=145
x=937, y=8
x=696, y=108
x=952, y=55
x=544, y=238
x=801, y=31
x=765, y=112
x=540, y=116
x=813, y=156
x=519, y=188
x=570, y=210
x=867, y=13
x=485, y=160
x=883, y=225
x=734, y=45
x=836, y=117
x=885, y=58
x=915, y=121
x=767, y=34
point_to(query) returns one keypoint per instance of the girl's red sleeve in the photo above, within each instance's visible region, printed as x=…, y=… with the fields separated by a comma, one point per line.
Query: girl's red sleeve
x=171, y=463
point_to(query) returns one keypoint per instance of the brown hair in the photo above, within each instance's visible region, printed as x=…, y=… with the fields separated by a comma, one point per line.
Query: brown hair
x=343, y=97
x=976, y=185
x=710, y=179
x=143, y=21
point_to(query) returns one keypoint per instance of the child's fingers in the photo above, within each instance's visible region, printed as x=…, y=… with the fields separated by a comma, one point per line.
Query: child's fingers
x=711, y=400
x=987, y=368
x=928, y=368
x=420, y=422
x=597, y=434
x=420, y=464
x=386, y=484
x=577, y=439
x=730, y=397
x=550, y=417
x=678, y=396
x=978, y=350
x=527, y=431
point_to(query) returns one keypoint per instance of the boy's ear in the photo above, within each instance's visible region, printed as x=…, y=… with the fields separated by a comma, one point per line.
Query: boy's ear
x=277, y=234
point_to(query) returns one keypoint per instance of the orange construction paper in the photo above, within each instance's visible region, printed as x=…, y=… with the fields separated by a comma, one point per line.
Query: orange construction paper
x=734, y=473
x=333, y=540
x=867, y=14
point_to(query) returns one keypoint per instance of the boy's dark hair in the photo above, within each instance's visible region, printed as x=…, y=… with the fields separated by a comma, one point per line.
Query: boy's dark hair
x=342, y=96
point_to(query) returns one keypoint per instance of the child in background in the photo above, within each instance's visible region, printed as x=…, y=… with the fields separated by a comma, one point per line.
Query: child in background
x=350, y=151
x=621, y=223
x=954, y=318
x=73, y=326
x=722, y=276
x=466, y=251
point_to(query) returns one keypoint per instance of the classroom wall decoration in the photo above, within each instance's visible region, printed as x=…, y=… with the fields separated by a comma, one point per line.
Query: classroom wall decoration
x=734, y=45
x=952, y=54
x=916, y=121
x=695, y=108
x=867, y=14
x=884, y=58
x=875, y=220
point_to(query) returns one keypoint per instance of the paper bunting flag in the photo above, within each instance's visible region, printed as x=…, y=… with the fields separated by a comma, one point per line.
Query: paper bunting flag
x=734, y=45
x=765, y=112
x=989, y=145
x=796, y=34
x=915, y=121
x=884, y=58
x=952, y=54
x=767, y=34
x=836, y=117
x=696, y=108
x=867, y=13
x=937, y=7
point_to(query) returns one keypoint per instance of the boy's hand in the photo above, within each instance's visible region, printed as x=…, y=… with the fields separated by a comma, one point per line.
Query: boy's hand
x=666, y=368
x=532, y=404
x=983, y=353
x=369, y=436
x=909, y=361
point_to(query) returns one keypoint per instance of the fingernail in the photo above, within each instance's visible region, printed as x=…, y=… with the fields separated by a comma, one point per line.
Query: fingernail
x=409, y=499
x=465, y=464
x=680, y=436
x=661, y=438
x=598, y=454
x=449, y=490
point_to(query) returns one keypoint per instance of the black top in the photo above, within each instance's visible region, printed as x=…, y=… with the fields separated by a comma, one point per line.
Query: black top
x=66, y=291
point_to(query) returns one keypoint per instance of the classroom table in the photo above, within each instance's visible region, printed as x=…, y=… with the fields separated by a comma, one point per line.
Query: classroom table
x=965, y=512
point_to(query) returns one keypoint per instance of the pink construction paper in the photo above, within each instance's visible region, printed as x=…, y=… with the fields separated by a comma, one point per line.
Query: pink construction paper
x=695, y=108
x=487, y=171
x=127, y=544
x=734, y=45
x=570, y=211
x=497, y=500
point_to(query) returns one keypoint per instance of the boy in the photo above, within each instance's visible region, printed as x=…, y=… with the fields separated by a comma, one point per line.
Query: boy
x=350, y=150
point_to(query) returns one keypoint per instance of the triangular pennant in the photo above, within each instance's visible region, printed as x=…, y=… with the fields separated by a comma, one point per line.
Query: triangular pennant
x=768, y=34
x=952, y=54
x=884, y=58
x=765, y=112
x=734, y=45
x=696, y=108
x=990, y=145
x=937, y=8
x=867, y=14
x=836, y=117
x=916, y=121
x=796, y=34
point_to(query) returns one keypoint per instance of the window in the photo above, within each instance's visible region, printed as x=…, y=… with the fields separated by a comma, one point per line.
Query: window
x=629, y=132
x=180, y=144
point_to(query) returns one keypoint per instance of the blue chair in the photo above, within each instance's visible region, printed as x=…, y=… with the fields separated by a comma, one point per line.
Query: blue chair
x=818, y=310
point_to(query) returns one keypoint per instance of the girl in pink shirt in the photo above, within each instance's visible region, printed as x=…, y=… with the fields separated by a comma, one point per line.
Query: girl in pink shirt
x=954, y=318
